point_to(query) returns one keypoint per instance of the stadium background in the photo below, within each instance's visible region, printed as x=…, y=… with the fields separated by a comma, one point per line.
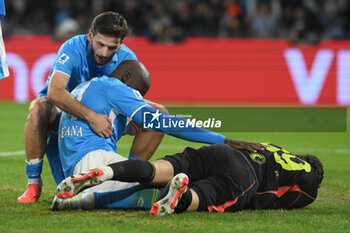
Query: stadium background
x=208, y=52
x=232, y=51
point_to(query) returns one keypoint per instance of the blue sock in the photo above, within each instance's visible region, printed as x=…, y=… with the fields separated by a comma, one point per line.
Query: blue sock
x=33, y=169
x=132, y=198
x=131, y=157
x=53, y=158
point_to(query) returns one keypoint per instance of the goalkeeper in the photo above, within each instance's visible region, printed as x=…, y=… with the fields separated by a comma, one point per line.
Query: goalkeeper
x=216, y=178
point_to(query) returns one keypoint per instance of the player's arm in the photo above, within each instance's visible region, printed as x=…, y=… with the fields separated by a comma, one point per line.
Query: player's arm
x=130, y=103
x=293, y=200
x=299, y=195
x=196, y=134
x=59, y=96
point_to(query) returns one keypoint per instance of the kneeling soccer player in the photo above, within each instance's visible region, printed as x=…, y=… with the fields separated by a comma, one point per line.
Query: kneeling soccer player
x=216, y=178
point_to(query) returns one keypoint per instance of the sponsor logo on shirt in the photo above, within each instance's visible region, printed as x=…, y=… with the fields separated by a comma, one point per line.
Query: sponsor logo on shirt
x=258, y=158
x=137, y=94
x=63, y=58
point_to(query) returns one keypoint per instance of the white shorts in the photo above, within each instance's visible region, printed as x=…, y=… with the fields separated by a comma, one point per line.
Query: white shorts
x=4, y=72
x=101, y=158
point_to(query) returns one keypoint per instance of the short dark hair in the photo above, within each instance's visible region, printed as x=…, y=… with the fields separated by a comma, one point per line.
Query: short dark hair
x=316, y=166
x=110, y=23
x=139, y=77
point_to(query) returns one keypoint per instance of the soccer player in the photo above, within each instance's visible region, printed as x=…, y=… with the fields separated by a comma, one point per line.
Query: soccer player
x=215, y=178
x=4, y=71
x=81, y=149
x=79, y=59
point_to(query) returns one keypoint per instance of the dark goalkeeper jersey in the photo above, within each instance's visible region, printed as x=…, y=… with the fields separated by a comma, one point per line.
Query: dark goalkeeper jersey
x=284, y=180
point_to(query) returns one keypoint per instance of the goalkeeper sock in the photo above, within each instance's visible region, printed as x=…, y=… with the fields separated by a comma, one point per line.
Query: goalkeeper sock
x=125, y=171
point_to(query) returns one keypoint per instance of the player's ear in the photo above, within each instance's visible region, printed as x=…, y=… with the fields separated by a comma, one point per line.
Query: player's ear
x=90, y=35
x=121, y=44
x=126, y=77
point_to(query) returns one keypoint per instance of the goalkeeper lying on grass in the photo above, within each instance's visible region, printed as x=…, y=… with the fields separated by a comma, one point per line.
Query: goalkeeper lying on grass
x=216, y=178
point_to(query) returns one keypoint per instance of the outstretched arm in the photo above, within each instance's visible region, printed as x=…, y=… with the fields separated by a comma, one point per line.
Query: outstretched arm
x=193, y=133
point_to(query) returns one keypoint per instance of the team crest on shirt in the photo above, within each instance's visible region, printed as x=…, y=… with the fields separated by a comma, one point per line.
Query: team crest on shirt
x=63, y=58
x=258, y=158
x=85, y=69
x=137, y=94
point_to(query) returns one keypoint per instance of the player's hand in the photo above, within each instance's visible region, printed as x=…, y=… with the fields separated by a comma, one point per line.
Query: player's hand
x=101, y=125
x=250, y=146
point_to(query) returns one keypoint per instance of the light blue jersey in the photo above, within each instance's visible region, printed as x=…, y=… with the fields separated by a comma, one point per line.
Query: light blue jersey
x=111, y=97
x=74, y=59
x=2, y=8
x=103, y=95
x=4, y=70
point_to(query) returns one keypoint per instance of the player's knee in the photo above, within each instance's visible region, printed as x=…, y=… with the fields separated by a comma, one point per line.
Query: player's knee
x=39, y=112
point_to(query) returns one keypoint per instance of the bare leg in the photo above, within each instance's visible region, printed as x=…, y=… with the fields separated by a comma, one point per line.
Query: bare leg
x=41, y=117
x=164, y=172
x=147, y=141
x=195, y=202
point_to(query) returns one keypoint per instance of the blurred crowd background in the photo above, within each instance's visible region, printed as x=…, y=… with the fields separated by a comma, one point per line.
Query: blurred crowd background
x=301, y=21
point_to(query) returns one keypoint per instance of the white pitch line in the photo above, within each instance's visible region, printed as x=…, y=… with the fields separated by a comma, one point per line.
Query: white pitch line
x=11, y=153
x=180, y=147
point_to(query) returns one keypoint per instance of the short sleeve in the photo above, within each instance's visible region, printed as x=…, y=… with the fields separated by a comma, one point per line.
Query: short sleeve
x=125, y=99
x=124, y=53
x=67, y=58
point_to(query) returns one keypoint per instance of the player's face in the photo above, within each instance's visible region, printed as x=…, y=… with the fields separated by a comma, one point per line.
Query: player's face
x=103, y=47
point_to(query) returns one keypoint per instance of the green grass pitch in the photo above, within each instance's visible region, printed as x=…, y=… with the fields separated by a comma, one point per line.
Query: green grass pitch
x=329, y=213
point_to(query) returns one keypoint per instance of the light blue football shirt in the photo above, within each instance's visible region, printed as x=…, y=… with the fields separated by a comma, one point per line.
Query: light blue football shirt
x=2, y=8
x=74, y=58
x=113, y=98
x=103, y=95
x=3, y=66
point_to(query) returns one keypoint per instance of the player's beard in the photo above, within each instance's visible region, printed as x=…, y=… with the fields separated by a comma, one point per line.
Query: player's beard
x=100, y=60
